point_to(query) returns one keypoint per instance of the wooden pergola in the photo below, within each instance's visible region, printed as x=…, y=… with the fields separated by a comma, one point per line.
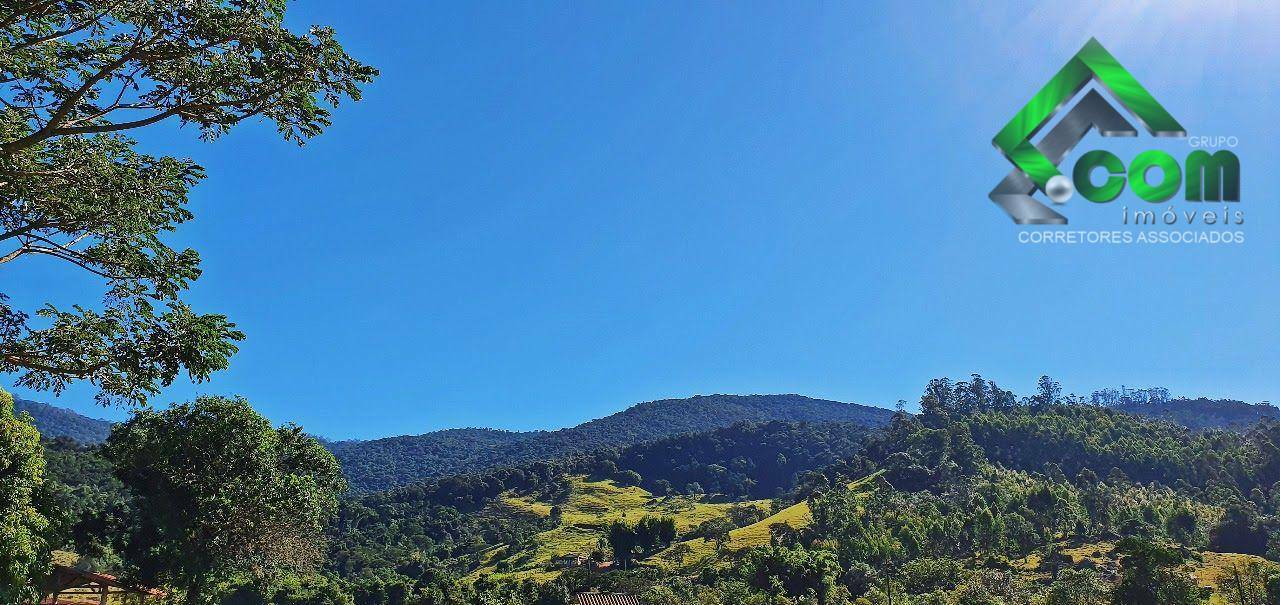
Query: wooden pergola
x=71, y=586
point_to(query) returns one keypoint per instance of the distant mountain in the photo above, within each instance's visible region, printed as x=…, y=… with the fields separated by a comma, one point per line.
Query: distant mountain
x=53, y=422
x=394, y=461
x=391, y=462
x=1202, y=413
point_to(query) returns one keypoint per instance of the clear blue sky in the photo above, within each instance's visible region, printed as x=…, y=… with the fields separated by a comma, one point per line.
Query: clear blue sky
x=542, y=213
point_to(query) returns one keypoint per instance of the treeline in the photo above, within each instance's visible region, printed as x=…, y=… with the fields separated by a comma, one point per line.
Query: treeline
x=982, y=479
x=962, y=494
x=392, y=462
x=55, y=422
x=443, y=519
x=743, y=461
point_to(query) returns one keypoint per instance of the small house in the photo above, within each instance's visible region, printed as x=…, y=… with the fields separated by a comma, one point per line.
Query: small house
x=68, y=585
x=605, y=598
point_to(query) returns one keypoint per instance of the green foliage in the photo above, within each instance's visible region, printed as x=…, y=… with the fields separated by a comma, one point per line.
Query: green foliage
x=957, y=506
x=22, y=547
x=646, y=536
x=629, y=477
x=291, y=590
x=1077, y=587
x=716, y=530
x=1152, y=574
x=73, y=188
x=255, y=500
x=1200, y=413
x=89, y=508
x=54, y=422
x=746, y=460
x=794, y=572
x=927, y=574
x=1252, y=584
x=398, y=461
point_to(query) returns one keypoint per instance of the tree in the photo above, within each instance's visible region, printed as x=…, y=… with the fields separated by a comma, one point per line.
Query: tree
x=1252, y=584
x=1048, y=391
x=74, y=76
x=793, y=572
x=1077, y=587
x=1240, y=530
x=653, y=533
x=293, y=590
x=629, y=477
x=1152, y=574
x=716, y=529
x=679, y=551
x=254, y=500
x=622, y=539
x=21, y=525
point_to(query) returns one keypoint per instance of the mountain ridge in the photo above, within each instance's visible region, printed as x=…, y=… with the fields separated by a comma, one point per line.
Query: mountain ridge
x=395, y=461
x=53, y=421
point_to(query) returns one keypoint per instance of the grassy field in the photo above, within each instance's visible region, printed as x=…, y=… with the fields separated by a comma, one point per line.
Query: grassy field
x=1213, y=570
x=591, y=507
x=699, y=551
x=1217, y=569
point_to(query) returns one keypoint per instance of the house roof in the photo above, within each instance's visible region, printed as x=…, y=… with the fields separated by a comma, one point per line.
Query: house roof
x=73, y=584
x=606, y=598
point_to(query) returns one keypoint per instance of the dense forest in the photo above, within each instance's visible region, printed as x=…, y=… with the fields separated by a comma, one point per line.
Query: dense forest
x=448, y=517
x=382, y=464
x=54, y=422
x=982, y=497
x=395, y=461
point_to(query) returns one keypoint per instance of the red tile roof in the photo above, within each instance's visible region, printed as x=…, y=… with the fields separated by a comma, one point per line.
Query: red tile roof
x=606, y=598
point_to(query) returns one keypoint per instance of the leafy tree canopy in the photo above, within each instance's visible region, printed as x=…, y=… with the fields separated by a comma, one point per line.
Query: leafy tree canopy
x=75, y=75
x=21, y=525
x=222, y=494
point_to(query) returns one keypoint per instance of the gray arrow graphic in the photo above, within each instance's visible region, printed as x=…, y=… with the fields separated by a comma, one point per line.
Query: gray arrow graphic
x=1013, y=193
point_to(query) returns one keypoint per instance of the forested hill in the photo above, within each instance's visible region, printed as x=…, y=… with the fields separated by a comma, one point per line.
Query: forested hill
x=54, y=422
x=395, y=461
x=1202, y=413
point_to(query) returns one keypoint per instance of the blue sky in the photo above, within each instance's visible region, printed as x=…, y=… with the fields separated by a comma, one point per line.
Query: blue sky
x=542, y=213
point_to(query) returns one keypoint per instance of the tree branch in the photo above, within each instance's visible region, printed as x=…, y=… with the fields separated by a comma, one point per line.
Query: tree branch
x=29, y=42
x=69, y=104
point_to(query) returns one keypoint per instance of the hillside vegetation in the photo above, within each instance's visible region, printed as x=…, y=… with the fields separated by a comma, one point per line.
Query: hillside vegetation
x=583, y=520
x=396, y=461
x=461, y=517
x=698, y=551
x=1203, y=413
x=984, y=498
x=54, y=422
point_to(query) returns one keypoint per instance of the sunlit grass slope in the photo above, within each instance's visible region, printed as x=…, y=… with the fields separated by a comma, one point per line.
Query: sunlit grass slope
x=585, y=517
x=699, y=551
x=1213, y=570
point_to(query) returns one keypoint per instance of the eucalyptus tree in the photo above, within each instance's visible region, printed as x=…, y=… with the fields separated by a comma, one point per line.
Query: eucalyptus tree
x=76, y=76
